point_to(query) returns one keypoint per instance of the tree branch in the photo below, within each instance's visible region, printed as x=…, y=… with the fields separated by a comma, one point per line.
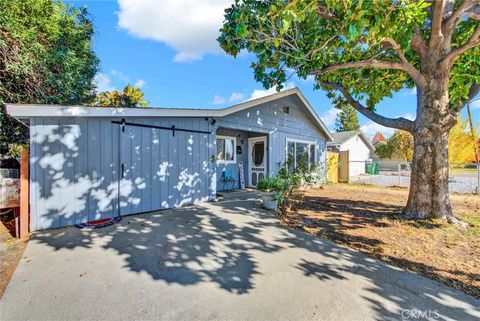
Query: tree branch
x=399, y=123
x=472, y=42
x=472, y=92
x=378, y=64
x=412, y=71
x=418, y=43
x=437, y=17
x=395, y=46
x=473, y=15
x=323, y=12
x=455, y=18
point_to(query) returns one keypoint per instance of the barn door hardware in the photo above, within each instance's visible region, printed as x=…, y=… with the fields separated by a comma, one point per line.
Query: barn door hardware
x=124, y=123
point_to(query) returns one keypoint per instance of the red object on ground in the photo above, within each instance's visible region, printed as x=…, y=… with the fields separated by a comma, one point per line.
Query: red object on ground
x=101, y=221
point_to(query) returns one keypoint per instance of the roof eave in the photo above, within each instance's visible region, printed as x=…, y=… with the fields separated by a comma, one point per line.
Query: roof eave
x=30, y=111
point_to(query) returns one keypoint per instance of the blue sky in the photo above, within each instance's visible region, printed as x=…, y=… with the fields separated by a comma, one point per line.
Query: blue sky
x=171, y=53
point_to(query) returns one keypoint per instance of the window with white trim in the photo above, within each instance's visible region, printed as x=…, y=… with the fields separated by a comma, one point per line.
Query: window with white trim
x=226, y=147
x=299, y=151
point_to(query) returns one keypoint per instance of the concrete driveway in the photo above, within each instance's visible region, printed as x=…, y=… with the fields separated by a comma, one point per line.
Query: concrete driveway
x=220, y=261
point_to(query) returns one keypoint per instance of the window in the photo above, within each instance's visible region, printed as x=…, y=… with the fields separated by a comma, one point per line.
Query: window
x=258, y=153
x=299, y=152
x=226, y=149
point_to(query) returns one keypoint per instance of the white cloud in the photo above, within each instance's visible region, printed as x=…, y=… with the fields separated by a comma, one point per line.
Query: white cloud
x=371, y=128
x=190, y=27
x=329, y=117
x=236, y=97
x=119, y=75
x=107, y=81
x=103, y=82
x=140, y=83
x=218, y=100
x=258, y=93
x=408, y=116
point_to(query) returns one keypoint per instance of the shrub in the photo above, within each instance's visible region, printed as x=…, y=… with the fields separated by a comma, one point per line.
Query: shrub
x=269, y=184
x=294, y=181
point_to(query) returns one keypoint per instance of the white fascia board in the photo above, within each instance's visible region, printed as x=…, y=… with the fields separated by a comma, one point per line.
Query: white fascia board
x=27, y=111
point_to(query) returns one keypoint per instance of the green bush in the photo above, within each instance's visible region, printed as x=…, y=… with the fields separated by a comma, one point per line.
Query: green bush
x=290, y=183
x=270, y=184
x=294, y=182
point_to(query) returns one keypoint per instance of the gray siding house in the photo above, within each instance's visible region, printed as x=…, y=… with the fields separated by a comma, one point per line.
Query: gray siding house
x=91, y=163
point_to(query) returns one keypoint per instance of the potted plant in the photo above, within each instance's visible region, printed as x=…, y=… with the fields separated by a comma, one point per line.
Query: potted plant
x=270, y=187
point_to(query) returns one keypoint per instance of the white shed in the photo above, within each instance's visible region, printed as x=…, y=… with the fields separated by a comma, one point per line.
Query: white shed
x=359, y=148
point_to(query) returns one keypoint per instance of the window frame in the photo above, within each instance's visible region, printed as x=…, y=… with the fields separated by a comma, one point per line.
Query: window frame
x=224, y=161
x=295, y=141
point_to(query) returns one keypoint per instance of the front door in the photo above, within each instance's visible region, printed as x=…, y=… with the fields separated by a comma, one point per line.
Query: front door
x=257, y=159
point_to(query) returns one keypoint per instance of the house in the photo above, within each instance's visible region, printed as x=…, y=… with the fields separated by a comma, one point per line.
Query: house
x=358, y=146
x=91, y=163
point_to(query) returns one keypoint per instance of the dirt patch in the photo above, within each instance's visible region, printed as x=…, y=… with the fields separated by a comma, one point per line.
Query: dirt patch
x=11, y=250
x=367, y=218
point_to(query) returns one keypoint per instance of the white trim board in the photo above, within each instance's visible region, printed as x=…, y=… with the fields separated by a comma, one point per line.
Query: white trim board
x=29, y=110
x=234, y=161
x=293, y=140
x=251, y=142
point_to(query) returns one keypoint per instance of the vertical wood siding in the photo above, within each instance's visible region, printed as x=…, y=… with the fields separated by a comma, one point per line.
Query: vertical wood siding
x=269, y=119
x=75, y=168
x=75, y=162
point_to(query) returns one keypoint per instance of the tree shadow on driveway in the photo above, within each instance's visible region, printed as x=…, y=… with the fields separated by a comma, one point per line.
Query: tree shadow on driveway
x=227, y=244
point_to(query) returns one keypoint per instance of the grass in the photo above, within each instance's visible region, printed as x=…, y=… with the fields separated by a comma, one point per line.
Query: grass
x=368, y=219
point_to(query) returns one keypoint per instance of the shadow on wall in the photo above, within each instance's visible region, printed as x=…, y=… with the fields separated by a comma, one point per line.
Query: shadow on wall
x=75, y=170
x=228, y=243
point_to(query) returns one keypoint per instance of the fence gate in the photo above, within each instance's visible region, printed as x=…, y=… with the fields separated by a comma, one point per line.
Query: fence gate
x=343, y=167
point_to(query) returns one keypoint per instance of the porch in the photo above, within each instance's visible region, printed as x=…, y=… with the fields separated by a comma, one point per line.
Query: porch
x=241, y=158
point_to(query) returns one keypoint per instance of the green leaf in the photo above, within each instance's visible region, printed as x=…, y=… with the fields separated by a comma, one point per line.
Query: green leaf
x=352, y=31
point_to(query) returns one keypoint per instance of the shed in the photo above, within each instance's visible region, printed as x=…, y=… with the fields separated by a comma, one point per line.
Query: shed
x=91, y=163
x=359, y=147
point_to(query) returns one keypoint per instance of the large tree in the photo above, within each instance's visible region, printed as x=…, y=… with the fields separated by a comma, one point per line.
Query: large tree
x=365, y=51
x=46, y=56
x=129, y=97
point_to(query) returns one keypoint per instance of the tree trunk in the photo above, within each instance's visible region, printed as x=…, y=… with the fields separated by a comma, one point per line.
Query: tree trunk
x=428, y=195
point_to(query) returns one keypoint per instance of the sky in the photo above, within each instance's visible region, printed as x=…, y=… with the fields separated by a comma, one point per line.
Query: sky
x=168, y=49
